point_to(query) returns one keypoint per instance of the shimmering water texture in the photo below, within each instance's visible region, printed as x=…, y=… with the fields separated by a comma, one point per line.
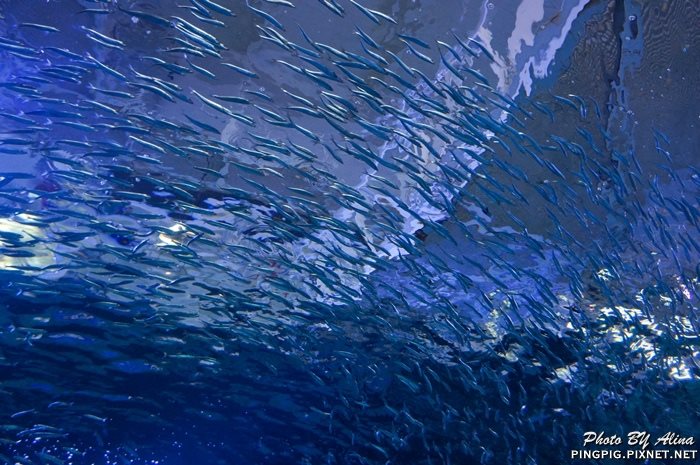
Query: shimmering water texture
x=345, y=231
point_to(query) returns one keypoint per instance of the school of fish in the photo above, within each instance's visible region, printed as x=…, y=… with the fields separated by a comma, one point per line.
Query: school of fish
x=375, y=261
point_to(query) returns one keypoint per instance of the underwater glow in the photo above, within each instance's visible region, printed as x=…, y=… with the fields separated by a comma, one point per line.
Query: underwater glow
x=346, y=231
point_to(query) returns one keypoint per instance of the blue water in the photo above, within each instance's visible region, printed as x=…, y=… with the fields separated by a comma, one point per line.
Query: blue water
x=430, y=233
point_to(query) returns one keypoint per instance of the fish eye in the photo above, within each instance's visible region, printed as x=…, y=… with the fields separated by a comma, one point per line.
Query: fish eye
x=121, y=240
